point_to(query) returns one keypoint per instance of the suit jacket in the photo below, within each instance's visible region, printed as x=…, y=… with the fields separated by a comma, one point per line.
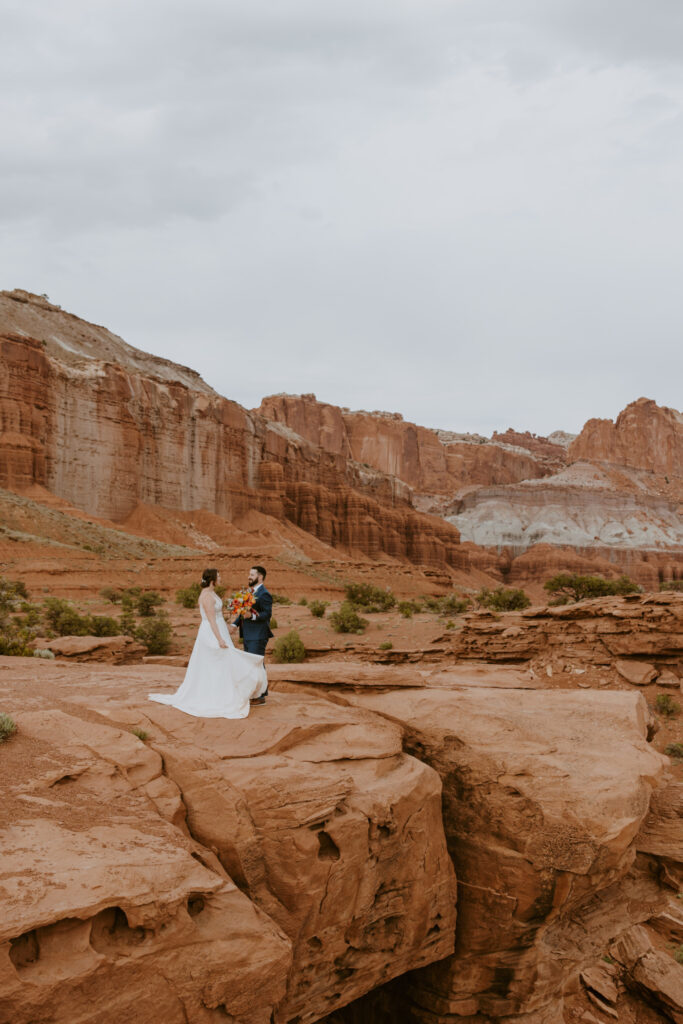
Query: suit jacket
x=258, y=628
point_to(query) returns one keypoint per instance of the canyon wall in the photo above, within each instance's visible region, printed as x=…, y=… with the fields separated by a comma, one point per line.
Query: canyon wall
x=109, y=435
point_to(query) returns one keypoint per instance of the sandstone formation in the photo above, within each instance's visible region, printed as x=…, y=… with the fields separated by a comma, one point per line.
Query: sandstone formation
x=644, y=437
x=601, y=632
x=612, y=494
x=107, y=428
x=271, y=869
x=139, y=442
x=544, y=796
x=434, y=463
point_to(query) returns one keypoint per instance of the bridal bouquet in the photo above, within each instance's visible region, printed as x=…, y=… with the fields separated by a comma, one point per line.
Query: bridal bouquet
x=242, y=603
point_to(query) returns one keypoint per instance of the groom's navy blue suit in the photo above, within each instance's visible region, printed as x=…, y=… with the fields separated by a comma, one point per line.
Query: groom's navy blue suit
x=257, y=632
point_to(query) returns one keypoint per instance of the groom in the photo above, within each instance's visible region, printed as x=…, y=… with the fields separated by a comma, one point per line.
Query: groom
x=256, y=631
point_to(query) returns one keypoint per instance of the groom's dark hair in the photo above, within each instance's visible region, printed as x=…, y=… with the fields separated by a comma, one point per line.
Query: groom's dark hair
x=260, y=570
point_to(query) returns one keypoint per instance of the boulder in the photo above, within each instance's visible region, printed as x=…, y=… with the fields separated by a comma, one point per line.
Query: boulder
x=115, y=650
x=640, y=673
x=544, y=794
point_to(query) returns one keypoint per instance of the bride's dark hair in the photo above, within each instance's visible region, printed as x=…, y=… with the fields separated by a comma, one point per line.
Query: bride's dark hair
x=209, y=576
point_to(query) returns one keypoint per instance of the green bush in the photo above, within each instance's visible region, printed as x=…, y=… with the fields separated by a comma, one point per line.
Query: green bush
x=666, y=705
x=15, y=643
x=347, y=620
x=140, y=733
x=155, y=633
x=289, y=648
x=406, y=609
x=671, y=585
x=63, y=619
x=104, y=625
x=281, y=599
x=303, y=601
x=32, y=615
x=678, y=954
x=675, y=750
x=111, y=594
x=503, y=599
x=8, y=727
x=127, y=623
x=575, y=587
x=273, y=622
x=369, y=598
x=189, y=596
x=11, y=594
x=454, y=605
x=386, y=646
x=317, y=609
x=451, y=604
x=148, y=602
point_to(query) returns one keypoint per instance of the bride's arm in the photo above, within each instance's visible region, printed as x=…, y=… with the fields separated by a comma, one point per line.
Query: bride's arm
x=210, y=609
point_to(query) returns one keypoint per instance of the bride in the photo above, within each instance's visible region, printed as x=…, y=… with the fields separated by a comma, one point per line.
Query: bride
x=220, y=680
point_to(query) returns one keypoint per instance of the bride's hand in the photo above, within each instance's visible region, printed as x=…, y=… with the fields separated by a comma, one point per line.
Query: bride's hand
x=222, y=644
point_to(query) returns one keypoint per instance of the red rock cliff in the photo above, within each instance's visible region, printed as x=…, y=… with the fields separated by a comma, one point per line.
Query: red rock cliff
x=107, y=427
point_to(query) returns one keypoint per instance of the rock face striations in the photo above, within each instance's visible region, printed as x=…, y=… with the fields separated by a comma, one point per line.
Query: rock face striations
x=114, y=431
x=108, y=428
x=614, y=491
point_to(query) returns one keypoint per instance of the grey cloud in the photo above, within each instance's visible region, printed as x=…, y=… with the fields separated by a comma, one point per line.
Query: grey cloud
x=468, y=211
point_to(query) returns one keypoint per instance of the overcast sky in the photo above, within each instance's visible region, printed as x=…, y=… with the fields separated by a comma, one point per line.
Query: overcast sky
x=468, y=211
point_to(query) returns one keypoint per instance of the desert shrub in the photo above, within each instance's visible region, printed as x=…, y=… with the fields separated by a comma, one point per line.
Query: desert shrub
x=675, y=750
x=140, y=733
x=317, y=609
x=303, y=601
x=386, y=646
x=104, y=625
x=32, y=615
x=666, y=705
x=111, y=594
x=63, y=619
x=451, y=604
x=671, y=585
x=273, y=622
x=127, y=623
x=148, y=602
x=281, y=599
x=369, y=598
x=575, y=587
x=15, y=642
x=289, y=648
x=406, y=609
x=188, y=596
x=450, y=624
x=503, y=599
x=43, y=652
x=12, y=592
x=155, y=633
x=347, y=620
x=8, y=727
x=678, y=954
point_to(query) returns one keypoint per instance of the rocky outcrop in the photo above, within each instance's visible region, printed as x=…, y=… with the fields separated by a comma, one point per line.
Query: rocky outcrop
x=108, y=428
x=434, y=463
x=544, y=795
x=598, y=632
x=271, y=869
x=645, y=437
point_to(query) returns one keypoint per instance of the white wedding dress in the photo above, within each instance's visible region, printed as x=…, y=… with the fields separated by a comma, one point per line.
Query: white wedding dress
x=219, y=682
